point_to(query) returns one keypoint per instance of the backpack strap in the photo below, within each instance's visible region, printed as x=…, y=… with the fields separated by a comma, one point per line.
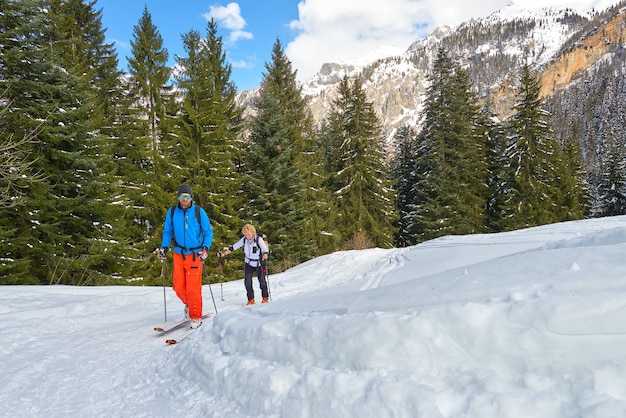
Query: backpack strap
x=197, y=210
x=256, y=240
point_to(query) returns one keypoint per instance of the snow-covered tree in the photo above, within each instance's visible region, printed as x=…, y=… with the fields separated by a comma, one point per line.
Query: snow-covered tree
x=360, y=175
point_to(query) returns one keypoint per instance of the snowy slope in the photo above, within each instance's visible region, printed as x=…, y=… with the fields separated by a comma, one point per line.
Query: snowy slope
x=521, y=324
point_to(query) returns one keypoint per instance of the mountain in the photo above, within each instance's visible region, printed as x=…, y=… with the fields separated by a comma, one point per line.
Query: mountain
x=562, y=41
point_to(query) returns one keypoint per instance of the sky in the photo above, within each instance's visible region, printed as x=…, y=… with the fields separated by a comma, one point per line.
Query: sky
x=527, y=323
x=312, y=32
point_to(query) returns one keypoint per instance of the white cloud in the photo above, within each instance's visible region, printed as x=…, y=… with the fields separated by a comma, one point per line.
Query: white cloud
x=120, y=44
x=229, y=17
x=333, y=30
x=243, y=63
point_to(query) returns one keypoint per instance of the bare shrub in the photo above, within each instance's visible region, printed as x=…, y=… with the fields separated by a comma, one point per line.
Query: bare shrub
x=360, y=241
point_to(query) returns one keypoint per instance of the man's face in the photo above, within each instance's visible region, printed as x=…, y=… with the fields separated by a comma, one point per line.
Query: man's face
x=185, y=200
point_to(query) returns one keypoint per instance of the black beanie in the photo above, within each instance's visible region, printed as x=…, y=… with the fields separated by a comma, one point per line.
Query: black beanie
x=184, y=188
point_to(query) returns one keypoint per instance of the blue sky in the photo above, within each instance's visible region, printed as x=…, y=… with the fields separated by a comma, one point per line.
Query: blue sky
x=312, y=31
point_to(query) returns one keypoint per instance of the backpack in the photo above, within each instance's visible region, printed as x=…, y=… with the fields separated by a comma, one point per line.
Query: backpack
x=197, y=210
x=264, y=238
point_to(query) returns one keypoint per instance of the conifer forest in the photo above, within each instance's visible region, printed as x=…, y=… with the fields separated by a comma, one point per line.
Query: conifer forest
x=91, y=156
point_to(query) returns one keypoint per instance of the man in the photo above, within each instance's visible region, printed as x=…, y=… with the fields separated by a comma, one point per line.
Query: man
x=255, y=253
x=189, y=228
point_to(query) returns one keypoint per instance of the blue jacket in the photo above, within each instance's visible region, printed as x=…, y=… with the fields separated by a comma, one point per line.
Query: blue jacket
x=185, y=230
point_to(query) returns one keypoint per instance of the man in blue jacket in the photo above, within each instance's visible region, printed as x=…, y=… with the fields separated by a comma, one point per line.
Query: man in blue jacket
x=188, y=227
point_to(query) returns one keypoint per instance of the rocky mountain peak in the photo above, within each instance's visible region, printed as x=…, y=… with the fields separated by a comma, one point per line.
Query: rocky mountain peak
x=558, y=43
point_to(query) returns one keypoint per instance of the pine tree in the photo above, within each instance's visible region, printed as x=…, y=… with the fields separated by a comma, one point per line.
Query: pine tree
x=612, y=184
x=139, y=203
x=321, y=220
x=149, y=72
x=467, y=160
x=498, y=170
x=59, y=234
x=423, y=191
x=87, y=53
x=362, y=186
x=574, y=194
x=140, y=165
x=450, y=188
x=403, y=174
x=82, y=48
x=209, y=125
x=329, y=238
x=540, y=185
x=274, y=162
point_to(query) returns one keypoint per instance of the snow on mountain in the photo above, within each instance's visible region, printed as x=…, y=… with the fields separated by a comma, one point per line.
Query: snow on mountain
x=518, y=8
x=527, y=323
x=395, y=80
x=552, y=32
x=331, y=73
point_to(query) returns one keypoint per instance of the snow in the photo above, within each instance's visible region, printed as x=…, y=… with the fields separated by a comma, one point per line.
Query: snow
x=527, y=323
x=583, y=7
x=551, y=33
x=379, y=53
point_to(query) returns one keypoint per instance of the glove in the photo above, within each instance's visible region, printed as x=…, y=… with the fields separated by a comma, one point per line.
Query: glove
x=204, y=253
x=161, y=253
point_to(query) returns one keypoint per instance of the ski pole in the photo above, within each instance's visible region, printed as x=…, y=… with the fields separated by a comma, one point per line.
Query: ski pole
x=164, y=298
x=220, y=264
x=211, y=290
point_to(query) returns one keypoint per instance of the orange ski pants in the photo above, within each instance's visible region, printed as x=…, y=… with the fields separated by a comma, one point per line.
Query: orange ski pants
x=187, y=276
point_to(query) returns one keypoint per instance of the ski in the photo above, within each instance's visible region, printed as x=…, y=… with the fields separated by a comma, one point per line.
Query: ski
x=164, y=331
x=172, y=341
